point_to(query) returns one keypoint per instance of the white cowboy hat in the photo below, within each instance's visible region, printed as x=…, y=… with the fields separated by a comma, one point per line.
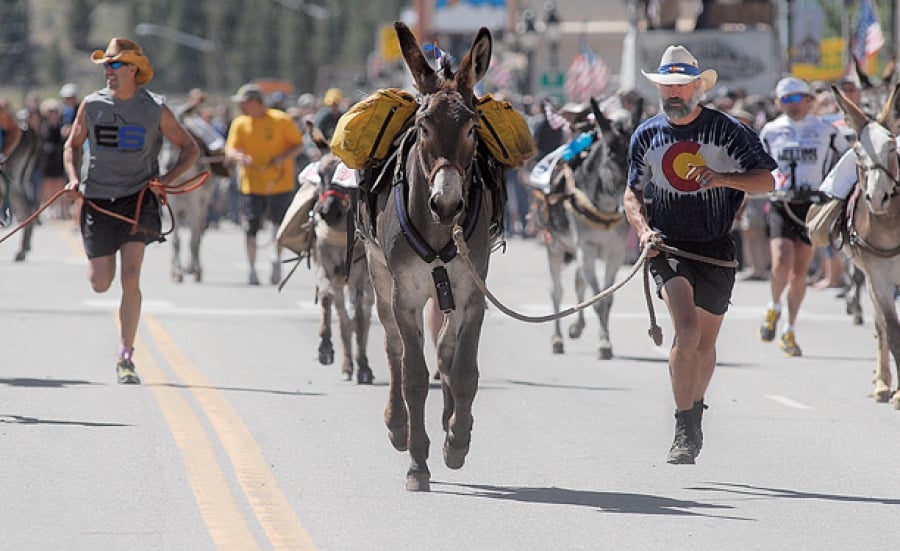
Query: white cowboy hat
x=678, y=66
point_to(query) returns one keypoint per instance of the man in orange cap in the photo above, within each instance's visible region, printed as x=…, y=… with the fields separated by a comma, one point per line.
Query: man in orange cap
x=124, y=124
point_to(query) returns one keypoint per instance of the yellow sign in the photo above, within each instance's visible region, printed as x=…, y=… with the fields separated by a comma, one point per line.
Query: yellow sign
x=831, y=62
x=390, y=46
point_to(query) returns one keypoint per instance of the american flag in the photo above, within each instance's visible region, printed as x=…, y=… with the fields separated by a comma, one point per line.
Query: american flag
x=587, y=75
x=554, y=119
x=867, y=39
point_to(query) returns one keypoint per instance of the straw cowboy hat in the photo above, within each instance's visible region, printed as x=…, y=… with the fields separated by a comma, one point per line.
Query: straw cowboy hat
x=128, y=51
x=678, y=66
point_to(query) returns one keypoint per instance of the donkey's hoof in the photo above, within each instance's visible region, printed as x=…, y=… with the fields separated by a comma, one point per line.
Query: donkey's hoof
x=857, y=319
x=882, y=392
x=418, y=481
x=575, y=330
x=346, y=375
x=20, y=256
x=326, y=355
x=605, y=353
x=177, y=277
x=364, y=376
x=398, y=438
x=198, y=276
x=455, y=458
x=895, y=400
x=558, y=346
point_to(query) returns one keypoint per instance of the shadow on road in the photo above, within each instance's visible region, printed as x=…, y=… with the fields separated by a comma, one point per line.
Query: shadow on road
x=608, y=502
x=45, y=383
x=782, y=493
x=237, y=389
x=22, y=420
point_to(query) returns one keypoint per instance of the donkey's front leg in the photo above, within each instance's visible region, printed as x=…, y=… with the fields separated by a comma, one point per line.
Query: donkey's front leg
x=345, y=327
x=458, y=360
x=415, y=392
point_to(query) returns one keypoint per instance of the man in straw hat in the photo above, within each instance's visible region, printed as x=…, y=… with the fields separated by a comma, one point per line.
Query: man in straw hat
x=124, y=125
x=689, y=168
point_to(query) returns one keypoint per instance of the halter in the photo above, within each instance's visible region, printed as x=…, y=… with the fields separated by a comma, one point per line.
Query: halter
x=862, y=169
x=413, y=237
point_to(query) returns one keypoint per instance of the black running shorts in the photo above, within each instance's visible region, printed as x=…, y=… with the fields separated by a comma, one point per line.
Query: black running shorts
x=103, y=234
x=712, y=284
x=256, y=209
x=781, y=224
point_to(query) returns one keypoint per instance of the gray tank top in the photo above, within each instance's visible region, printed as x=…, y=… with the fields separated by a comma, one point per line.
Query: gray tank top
x=125, y=139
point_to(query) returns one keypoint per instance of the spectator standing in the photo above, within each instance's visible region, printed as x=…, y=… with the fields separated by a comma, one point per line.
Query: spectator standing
x=327, y=117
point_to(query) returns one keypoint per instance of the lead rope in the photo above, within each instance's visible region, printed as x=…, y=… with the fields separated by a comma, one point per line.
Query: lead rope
x=178, y=189
x=655, y=330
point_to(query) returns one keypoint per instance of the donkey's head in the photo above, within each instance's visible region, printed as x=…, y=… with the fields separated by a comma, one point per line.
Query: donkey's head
x=603, y=174
x=876, y=150
x=333, y=200
x=446, y=122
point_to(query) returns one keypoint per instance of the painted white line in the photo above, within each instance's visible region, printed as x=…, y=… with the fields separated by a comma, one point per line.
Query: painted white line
x=787, y=402
x=298, y=310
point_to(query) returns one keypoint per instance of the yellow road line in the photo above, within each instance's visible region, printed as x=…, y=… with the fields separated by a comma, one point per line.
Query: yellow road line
x=224, y=520
x=274, y=513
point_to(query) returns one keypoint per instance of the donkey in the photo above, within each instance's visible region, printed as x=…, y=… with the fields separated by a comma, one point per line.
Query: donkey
x=873, y=227
x=17, y=171
x=341, y=268
x=407, y=229
x=191, y=210
x=585, y=216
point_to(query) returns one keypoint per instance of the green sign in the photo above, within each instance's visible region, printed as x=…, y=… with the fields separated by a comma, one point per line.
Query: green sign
x=552, y=80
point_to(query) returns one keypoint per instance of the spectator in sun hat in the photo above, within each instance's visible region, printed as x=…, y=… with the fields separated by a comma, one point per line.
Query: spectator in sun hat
x=694, y=165
x=125, y=124
x=327, y=117
x=69, y=94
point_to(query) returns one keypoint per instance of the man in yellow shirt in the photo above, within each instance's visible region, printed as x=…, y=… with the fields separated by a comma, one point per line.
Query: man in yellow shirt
x=262, y=142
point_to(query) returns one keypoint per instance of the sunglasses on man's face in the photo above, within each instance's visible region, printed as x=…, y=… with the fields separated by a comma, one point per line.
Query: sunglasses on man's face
x=792, y=98
x=115, y=64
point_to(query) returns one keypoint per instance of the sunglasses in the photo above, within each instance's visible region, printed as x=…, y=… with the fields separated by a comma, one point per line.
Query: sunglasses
x=792, y=98
x=114, y=64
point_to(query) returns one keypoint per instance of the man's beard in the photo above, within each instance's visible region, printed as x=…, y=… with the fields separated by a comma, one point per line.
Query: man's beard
x=676, y=108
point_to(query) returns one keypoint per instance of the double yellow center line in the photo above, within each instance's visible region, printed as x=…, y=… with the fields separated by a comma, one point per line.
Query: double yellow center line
x=227, y=524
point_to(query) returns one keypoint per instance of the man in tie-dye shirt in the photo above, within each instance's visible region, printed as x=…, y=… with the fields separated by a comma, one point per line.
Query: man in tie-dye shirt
x=689, y=168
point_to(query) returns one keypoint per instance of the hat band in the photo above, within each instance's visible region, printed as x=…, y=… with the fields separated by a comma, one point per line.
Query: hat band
x=682, y=68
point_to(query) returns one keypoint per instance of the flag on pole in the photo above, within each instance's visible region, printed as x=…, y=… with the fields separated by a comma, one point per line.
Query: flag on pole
x=867, y=39
x=587, y=76
x=554, y=119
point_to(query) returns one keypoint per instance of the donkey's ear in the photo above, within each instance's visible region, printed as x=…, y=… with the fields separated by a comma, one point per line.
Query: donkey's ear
x=637, y=113
x=476, y=63
x=854, y=116
x=599, y=118
x=424, y=76
x=891, y=113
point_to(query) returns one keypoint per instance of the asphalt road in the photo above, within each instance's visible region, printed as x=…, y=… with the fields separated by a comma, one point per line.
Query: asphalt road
x=239, y=439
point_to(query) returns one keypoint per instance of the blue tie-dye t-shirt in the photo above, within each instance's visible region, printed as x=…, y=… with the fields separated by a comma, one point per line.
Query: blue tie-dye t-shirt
x=658, y=159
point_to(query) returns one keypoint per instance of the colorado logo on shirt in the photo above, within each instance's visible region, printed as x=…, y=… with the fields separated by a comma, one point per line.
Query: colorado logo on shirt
x=675, y=165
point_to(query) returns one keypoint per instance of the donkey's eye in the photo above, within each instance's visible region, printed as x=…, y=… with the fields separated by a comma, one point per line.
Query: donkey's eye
x=423, y=131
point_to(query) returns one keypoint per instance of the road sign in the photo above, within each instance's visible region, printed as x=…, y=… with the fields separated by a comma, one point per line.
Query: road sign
x=553, y=79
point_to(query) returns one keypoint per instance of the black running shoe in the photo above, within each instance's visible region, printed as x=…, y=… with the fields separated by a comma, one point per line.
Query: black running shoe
x=125, y=372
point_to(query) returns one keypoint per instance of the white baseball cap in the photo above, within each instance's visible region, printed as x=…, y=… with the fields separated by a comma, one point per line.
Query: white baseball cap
x=791, y=85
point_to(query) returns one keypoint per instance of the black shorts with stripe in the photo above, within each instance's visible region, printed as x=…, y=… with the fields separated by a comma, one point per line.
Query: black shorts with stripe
x=103, y=234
